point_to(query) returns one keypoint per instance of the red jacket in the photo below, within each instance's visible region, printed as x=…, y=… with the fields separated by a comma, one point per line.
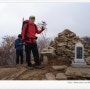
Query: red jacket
x=31, y=32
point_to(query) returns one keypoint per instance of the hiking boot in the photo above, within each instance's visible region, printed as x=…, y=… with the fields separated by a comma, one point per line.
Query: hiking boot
x=30, y=68
x=39, y=66
x=33, y=65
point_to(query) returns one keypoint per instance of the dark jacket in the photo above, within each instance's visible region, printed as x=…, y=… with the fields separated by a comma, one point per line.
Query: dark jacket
x=18, y=44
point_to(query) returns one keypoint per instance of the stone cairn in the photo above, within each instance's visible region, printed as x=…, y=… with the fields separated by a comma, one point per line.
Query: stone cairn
x=64, y=44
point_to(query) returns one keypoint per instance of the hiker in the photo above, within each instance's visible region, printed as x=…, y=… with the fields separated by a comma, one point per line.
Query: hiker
x=29, y=37
x=19, y=49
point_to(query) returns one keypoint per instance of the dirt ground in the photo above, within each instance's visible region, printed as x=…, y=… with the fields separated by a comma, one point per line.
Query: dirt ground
x=21, y=72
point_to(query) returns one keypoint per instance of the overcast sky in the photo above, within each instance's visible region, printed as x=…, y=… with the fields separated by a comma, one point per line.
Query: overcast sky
x=59, y=16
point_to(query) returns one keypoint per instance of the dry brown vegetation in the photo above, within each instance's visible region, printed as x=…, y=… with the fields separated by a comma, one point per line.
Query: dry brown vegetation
x=7, y=51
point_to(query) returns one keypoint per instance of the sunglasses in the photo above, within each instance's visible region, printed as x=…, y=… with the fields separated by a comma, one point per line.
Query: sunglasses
x=32, y=18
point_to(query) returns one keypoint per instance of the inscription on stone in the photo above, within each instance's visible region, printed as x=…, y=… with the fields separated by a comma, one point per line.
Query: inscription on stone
x=79, y=51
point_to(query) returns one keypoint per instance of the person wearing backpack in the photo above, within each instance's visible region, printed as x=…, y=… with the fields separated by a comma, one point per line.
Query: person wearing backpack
x=29, y=31
x=19, y=49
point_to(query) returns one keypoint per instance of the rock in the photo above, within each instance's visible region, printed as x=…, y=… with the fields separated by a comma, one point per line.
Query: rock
x=64, y=44
x=45, y=60
x=88, y=60
x=61, y=44
x=5, y=72
x=48, y=52
x=45, y=50
x=75, y=72
x=50, y=76
x=30, y=74
x=52, y=50
x=61, y=76
x=15, y=75
x=63, y=67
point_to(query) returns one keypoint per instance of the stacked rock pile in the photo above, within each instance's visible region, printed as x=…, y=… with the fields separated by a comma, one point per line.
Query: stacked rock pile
x=64, y=44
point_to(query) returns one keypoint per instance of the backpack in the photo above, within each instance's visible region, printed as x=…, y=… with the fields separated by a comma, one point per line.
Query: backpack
x=26, y=31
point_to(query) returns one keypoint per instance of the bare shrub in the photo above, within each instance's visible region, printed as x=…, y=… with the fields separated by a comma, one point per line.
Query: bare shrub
x=43, y=41
x=7, y=56
x=87, y=39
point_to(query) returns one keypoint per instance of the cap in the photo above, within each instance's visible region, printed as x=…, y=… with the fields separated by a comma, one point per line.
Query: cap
x=32, y=17
x=19, y=35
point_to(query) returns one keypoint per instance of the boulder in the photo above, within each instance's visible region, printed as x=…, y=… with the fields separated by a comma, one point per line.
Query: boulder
x=47, y=53
x=78, y=72
x=45, y=60
x=50, y=76
x=61, y=76
x=73, y=72
x=62, y=67
x=88, y=60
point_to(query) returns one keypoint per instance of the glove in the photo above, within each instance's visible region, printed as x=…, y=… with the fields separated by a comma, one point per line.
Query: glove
x=43, y=28
x=24, y=43
x=20, y=43
x=23, y=40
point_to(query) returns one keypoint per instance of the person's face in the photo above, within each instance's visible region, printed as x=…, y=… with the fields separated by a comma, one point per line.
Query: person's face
x=32, y=20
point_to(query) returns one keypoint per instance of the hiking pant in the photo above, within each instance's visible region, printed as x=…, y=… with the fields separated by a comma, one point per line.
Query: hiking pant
x=32, y=47
x=19, y=55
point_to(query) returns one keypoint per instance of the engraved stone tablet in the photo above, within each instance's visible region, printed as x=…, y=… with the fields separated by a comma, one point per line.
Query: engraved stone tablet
x=79, y=56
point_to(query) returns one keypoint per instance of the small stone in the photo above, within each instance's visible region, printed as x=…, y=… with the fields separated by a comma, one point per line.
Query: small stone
x=88, y=60
x=45, y=50
x=63, y=67
x=61, y=44
x=61, y=76
x=50, y=76
x=73, y=72
x=45, y=60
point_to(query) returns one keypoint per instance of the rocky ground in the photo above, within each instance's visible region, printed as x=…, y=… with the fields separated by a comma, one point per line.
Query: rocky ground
x=55, y=70
x=56, y=60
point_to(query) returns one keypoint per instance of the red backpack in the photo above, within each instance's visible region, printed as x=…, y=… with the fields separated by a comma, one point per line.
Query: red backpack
x=26, y=31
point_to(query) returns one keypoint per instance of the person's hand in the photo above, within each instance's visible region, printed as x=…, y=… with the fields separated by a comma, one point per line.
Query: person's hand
x=24, y=43
x=20, y=43
x=23, y=40
x=43, y=28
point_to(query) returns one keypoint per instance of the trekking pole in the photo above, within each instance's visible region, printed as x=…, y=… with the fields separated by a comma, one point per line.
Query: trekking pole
x=44, y=33
x=44, y=38
x=22, y=24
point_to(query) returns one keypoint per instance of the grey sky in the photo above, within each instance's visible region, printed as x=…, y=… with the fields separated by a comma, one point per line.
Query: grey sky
x=59, y=16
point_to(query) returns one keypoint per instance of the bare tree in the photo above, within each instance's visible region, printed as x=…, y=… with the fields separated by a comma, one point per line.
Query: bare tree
x=87, y=39
x=8, y=50
x=42, y=41
x=42, y=44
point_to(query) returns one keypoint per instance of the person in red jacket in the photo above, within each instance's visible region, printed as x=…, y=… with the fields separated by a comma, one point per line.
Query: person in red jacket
x=30, y=41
